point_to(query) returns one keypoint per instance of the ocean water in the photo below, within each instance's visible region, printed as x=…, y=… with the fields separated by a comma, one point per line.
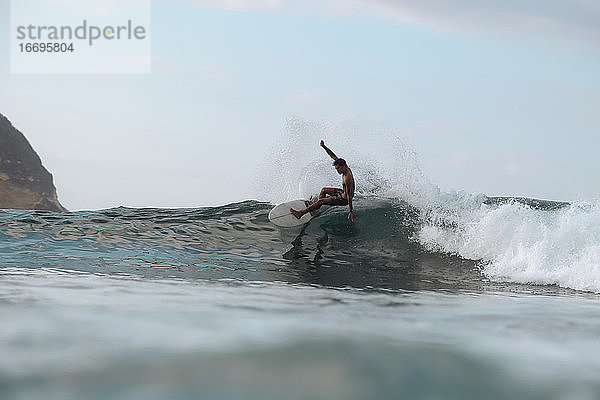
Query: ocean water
x=429, y=295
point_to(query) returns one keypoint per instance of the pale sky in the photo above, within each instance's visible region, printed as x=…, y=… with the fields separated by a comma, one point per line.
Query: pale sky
x=500, y=97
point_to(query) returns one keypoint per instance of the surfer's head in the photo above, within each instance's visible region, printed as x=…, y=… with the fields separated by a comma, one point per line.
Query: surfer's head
x=340, y=165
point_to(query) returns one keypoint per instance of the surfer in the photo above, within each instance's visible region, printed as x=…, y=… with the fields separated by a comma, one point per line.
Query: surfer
x=334, y=196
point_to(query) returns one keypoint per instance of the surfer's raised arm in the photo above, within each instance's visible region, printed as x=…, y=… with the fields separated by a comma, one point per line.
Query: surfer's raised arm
x=328, y=150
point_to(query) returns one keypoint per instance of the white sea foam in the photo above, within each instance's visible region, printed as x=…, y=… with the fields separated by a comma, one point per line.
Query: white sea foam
x=520, y=244
x=515, y=242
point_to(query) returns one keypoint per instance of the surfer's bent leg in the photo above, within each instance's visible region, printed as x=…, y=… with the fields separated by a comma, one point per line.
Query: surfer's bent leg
x=327, y=191
x=314, y=206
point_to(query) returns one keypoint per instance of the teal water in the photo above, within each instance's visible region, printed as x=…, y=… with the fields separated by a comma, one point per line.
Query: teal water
x=217, y=303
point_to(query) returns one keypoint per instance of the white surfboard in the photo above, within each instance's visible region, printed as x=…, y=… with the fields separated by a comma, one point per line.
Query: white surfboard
x=281, y=215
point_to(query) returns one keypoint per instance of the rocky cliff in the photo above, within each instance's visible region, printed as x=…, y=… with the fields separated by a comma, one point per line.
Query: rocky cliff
x=24, y=182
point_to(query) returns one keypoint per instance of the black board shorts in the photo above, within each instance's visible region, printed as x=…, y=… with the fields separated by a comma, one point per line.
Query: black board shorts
x=338, y=199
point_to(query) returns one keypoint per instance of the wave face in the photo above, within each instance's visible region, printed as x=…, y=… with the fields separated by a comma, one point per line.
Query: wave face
x=235, y=241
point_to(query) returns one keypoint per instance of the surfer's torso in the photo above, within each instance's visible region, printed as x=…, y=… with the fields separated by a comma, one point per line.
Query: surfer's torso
x=348, y=185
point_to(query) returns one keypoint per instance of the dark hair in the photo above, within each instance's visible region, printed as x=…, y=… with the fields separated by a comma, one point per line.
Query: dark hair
x=341, y=162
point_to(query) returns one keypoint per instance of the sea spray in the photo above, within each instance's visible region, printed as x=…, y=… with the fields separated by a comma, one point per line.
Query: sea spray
x=296, y=167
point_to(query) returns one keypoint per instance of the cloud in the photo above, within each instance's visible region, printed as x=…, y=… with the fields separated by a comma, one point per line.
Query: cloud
x=241, y=5
x=558, y=16
x=571, y=19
